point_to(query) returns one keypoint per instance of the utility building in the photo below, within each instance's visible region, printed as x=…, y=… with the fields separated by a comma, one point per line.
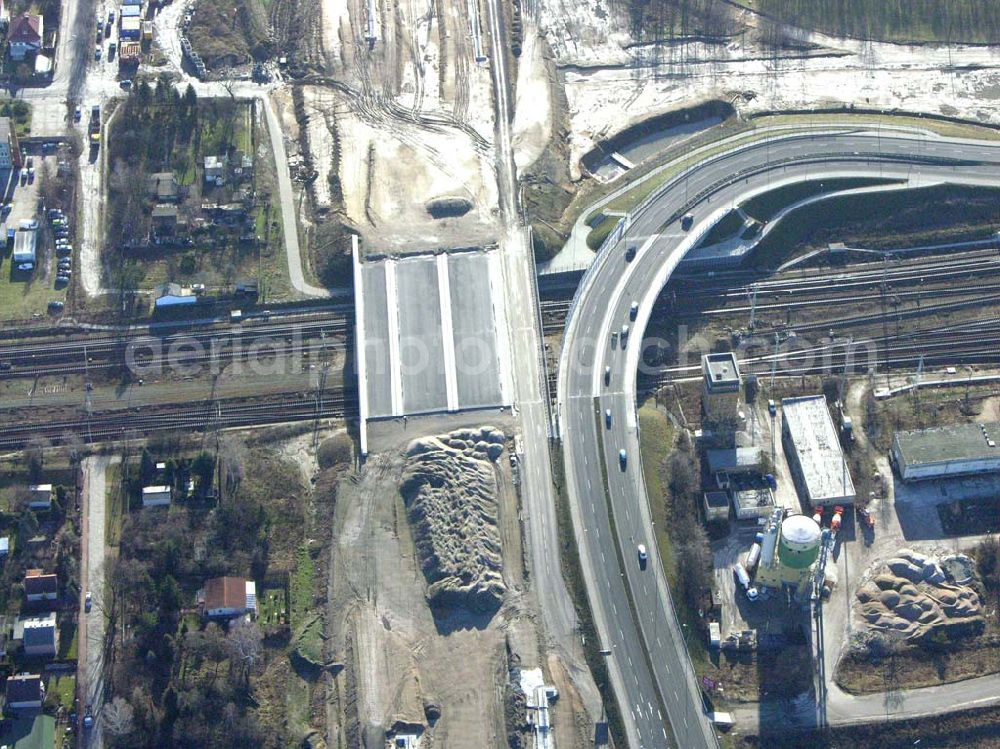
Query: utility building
x=942, y=452
x=721, y=388
x=814, y=454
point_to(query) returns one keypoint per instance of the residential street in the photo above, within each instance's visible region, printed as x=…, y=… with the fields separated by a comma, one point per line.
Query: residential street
x=90, y=676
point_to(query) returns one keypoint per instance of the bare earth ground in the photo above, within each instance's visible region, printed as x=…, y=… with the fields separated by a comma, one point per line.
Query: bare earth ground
x=399, y=123
x=400, y=659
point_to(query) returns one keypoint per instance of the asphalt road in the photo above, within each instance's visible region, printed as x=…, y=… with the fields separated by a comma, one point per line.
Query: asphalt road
x=648, y=653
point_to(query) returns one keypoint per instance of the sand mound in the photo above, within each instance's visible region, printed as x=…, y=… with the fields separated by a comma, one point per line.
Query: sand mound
x=913, y=595
x=449, y=489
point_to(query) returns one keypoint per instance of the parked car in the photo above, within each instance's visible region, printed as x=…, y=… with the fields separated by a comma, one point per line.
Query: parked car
x=65, y=249
x=97, y=53
x=56, y=306
x=26, y=267
x=126, y=83
x=77, y=114
x=61, y=281
x=31, y=174
x=87, y=601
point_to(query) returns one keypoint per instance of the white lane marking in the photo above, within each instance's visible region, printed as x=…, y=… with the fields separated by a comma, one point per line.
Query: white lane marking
x=447, y=332
x=392, y=310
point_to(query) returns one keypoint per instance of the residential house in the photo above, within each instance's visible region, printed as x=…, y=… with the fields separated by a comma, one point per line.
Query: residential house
x=163, y=186
x=215, y=169
x=226, y=597
x=41, y=494
x=164, y=219
x=25, y=692
x=39, y=635
x=156, y=496
x=25, y=35
x=40, y=587
x=243, y=165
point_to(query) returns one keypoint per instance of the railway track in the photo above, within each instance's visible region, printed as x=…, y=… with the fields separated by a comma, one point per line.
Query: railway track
x=202, y=416
x=175, y=349
x=969, y=346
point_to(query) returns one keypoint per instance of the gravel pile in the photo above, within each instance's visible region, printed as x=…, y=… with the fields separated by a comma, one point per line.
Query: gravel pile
x=450, y=490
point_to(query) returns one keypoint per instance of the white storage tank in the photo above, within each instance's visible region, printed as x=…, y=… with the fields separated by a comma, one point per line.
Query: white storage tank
x=800, y=541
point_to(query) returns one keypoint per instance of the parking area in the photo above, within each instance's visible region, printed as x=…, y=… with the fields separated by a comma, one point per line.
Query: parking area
x=30, y=265
x=430, y=337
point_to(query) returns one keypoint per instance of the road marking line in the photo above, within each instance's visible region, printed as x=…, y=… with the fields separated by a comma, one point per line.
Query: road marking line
x=447, y=332
x=392, y=313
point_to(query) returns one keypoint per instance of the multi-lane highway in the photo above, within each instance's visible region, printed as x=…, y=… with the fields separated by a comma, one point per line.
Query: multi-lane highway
x=651, y=671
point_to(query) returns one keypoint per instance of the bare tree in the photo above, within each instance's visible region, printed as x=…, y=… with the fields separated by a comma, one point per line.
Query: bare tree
x=74, y=445
x=232, y=458
x=118, y=718
x=245, y=643
x=35, y=454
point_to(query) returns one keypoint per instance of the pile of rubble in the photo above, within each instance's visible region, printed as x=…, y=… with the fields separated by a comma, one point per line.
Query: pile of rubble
x=915, y=596
x=450, y=490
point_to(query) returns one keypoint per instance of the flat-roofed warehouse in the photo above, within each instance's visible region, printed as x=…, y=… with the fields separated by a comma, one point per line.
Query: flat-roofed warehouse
x=941, y=452
x=813, y=452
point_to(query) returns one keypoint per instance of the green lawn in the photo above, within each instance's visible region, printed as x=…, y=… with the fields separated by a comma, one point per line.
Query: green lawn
x=302, y=581
x=656, y=442
x=272, y=607
x=68, y=637
x=115, y=514
x=22, y=296
x=62, y=688
x=31, y=732
x=20, y=111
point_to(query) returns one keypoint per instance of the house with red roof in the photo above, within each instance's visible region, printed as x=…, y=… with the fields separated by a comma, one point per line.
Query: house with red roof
x=25, y=35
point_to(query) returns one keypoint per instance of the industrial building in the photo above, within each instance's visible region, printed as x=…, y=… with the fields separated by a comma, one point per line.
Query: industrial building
x=721, y=387
x=25, y=243
x=942, y=452
x=734, y=460
x=789, y=549
x=753, y=502
x=716, y=506
x=814, y=455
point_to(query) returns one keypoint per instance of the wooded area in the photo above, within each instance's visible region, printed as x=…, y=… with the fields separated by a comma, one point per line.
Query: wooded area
x=892, y=20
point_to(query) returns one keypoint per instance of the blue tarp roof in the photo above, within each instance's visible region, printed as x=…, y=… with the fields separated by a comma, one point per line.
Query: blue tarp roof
x=172, y=300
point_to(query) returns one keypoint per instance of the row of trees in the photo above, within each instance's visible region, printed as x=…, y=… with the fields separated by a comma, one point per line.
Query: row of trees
x=687, y=533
